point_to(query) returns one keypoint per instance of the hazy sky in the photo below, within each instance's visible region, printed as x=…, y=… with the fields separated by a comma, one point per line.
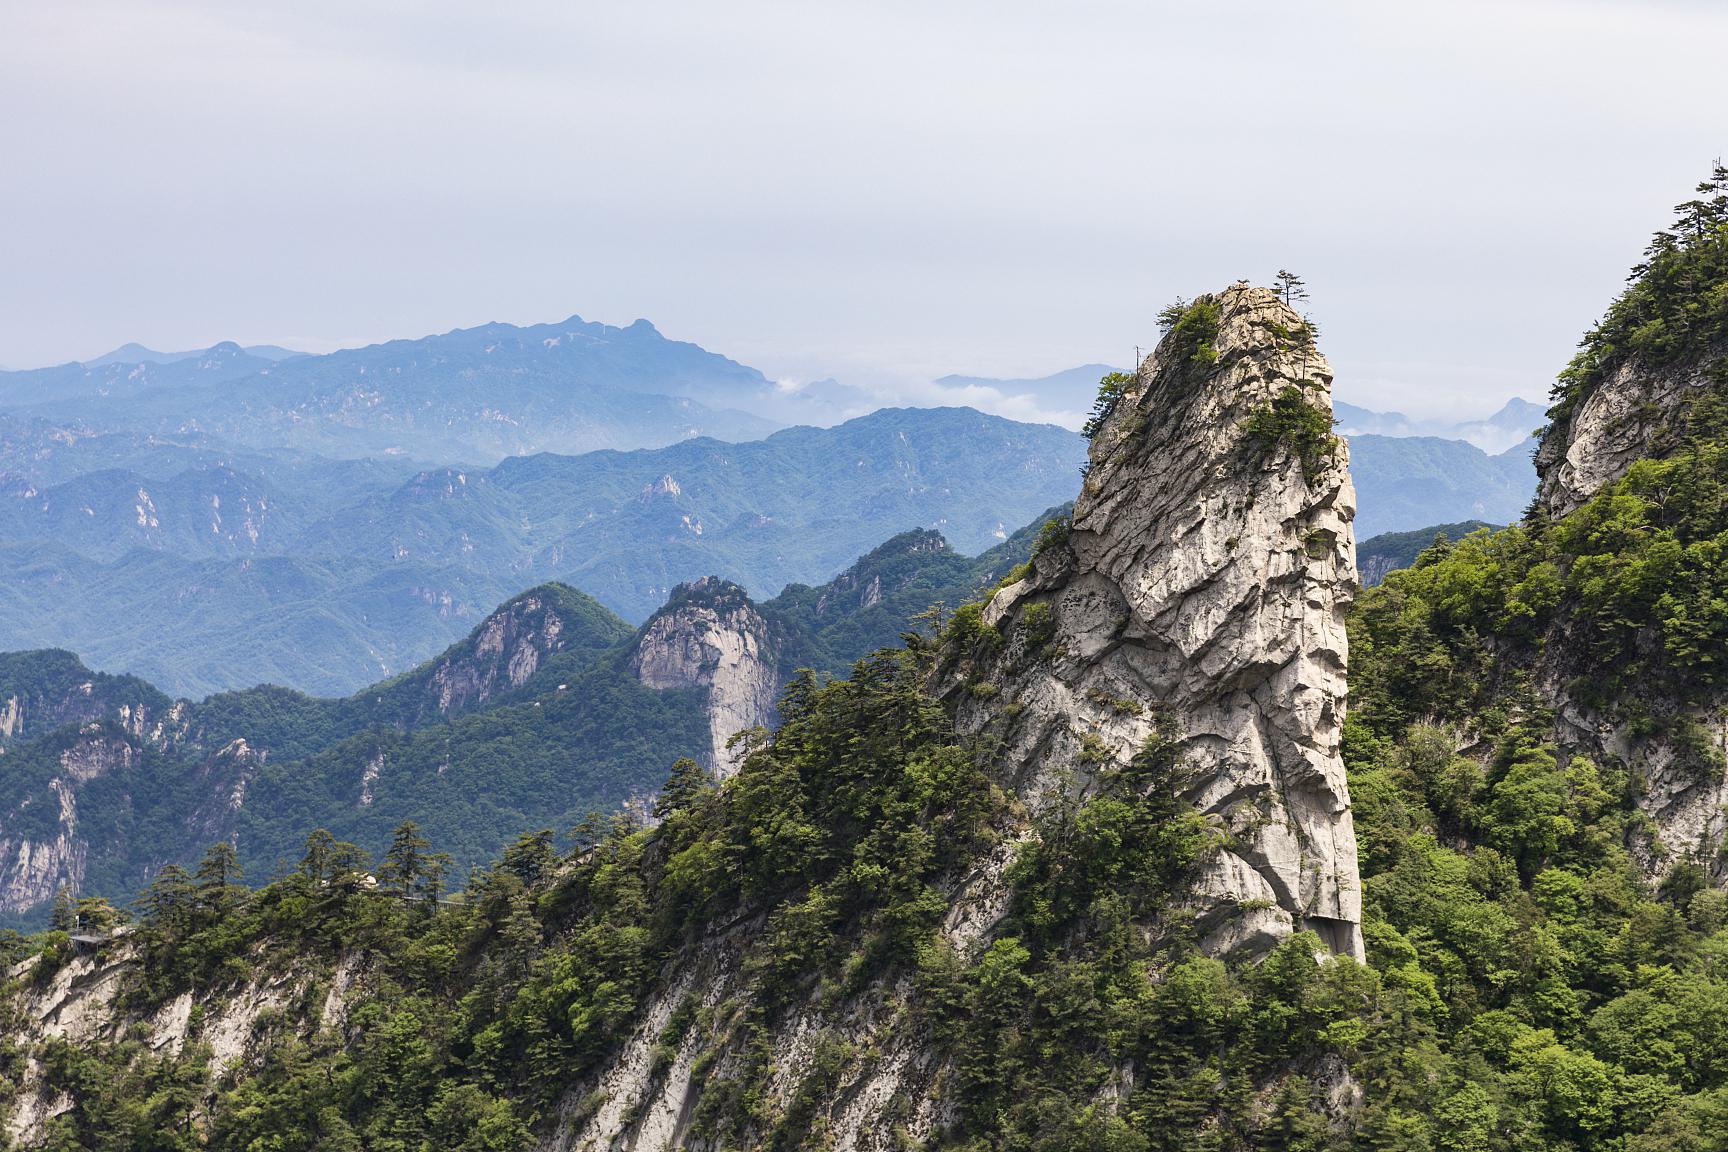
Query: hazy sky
x=882, y=192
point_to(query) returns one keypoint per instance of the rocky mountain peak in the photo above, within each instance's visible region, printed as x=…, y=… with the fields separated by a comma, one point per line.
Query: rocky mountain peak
x=1200, y=593
x=710, y=636
x=501, y=654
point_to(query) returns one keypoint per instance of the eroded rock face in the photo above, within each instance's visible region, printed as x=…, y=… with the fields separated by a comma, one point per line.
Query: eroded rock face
x=1619, y=423
x=42, y=847
x=84, y=1000
x=509, y=647
x=1203, y=586
x=710, y=636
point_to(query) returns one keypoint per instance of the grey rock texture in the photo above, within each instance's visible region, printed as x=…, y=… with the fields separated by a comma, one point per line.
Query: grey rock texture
x=505, y=651
x=709, y=636
x=1204, y=583
x=81, y=1002
x=1619, y=423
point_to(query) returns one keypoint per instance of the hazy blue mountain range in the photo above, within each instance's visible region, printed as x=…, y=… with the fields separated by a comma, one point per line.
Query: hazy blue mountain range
x=1406, y=482
x=327, y=575
x=138, y=354
x=211, y=518
x=1070, y=391
x=474, y=395
x=1516, y=422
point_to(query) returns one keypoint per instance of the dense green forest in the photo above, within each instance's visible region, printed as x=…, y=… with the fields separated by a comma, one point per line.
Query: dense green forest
x=1390, y=551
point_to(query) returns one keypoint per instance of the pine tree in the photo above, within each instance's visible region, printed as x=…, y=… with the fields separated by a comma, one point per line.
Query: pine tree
x=1291, y=288
x=315, y=864
x=531, y=858
x=684, y=789
x=218, y=875
x=168, y=901
x=404, y=867
x=96, y=914
x=64, y=917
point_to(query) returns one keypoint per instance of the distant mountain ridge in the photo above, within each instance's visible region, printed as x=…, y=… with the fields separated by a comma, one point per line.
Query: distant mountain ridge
x=133, y=353
x=329, y=574
x=474, y=394
x=545, y=709
x=1417, y=480
x=1516, y=422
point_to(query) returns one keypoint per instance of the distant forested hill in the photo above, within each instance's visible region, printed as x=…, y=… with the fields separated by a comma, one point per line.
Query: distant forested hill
x=537, y=716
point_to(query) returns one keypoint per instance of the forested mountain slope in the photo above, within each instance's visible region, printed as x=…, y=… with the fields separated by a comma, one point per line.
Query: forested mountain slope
x=1083, y=897
x=1378, y=556
x=867, y=930
x=553, y=706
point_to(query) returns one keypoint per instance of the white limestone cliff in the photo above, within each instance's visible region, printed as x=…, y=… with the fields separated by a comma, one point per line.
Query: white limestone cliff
x=710, y=637
x=1203, y=584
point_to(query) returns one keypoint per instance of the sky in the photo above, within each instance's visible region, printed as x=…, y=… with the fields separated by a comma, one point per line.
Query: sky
x=881, y=192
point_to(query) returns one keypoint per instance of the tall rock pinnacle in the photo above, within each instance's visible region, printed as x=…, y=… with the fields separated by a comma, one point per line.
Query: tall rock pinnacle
x=1203, y=586
x=709, y=636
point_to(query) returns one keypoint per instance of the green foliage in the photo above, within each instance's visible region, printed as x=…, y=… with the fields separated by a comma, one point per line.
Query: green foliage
x=1190, y=328
x=1635, y=580
x=1390, y=551
x=1290, y=421
x=1053, y=534
x=1675, y=308
x=1111, y=388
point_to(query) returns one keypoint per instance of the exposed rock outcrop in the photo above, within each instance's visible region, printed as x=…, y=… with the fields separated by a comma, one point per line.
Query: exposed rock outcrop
x=81, y=1000
x=1204, y=580
x=44, y=690
x=1621, y=420
x=709, y=636
x=1203, y=585
x=42, y=847
x=507, y=648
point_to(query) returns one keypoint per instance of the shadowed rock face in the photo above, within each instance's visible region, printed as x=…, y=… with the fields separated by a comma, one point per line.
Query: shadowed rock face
x=1203, y=586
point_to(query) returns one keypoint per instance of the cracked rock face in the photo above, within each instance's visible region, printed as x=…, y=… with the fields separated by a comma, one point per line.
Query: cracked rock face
x=710, y=636
x=1204, y=582
x=506, y=651
x=1615, y=426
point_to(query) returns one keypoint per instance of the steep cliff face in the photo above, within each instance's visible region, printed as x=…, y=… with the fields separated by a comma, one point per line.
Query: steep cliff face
x=709, y=636
x=1671, y=736
x=45, y=690
x=504, y=652
x=1628, y=416
x=1202, y=586
x=43, y=844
